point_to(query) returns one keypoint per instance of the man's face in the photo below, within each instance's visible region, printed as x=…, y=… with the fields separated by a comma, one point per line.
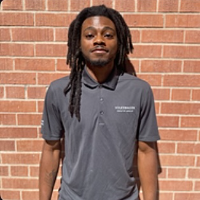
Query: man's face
x=99, y=41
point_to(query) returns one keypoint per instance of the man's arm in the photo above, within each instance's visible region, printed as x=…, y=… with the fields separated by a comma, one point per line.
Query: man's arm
x=148, y=169
x=48, y=168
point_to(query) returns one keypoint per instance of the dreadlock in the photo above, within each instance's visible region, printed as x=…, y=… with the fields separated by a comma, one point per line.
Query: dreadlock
x=75, y=58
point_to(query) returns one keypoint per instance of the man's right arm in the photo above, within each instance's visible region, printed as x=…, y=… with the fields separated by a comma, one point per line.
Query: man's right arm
x=49, y=165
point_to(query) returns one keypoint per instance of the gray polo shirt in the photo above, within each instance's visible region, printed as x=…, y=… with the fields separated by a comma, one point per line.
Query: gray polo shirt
x=99, y=149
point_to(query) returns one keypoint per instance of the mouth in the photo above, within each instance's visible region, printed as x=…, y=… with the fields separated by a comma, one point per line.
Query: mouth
x=99, y=50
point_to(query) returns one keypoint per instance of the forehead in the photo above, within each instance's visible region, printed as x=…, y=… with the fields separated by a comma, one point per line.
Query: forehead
x=98, y=22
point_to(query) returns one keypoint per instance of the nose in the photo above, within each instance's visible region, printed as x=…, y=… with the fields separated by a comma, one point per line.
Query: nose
x=99, y=40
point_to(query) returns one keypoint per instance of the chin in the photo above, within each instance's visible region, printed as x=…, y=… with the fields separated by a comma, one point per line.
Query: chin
x=99, y=63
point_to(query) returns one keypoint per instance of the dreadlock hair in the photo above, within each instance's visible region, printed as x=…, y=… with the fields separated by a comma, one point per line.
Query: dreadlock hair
x=76, y=60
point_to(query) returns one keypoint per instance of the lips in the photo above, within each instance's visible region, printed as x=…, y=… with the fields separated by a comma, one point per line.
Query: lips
x=99, y=49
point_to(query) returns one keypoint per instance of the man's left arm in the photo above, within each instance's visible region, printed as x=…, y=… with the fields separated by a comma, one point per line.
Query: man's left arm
x=148, y=169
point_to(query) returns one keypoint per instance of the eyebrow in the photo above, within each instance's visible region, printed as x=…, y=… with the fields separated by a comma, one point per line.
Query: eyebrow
x=104, y=28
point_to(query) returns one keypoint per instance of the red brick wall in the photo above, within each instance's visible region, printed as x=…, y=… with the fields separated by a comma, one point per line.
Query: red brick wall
x=166, y=36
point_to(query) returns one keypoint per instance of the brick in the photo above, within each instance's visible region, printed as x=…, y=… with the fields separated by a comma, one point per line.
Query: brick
x=177, y=173
x=183, y=21
x=7, y=145
x=188, y=148
x=160, y=66
x=192, y=37
x=165, y=196
x=19, y=158
x=51, y=50
x=125, y=5
x=157, y=107
x=197, y=185
x=146, y=6
x=162, y=173
x=27, y=195
x=59, y=5
x=20, y=183
x=17, y=78
x=51, y=19
x=77, y=5
x=17, y=106
x=16, y=132
x=35, y=64
x=162, y=36
x=19, y=171
x=7, y=119
x=182, y=80
x=180, y=108
x=147, y=51
x=170, y=185
x=187, y=196
x=6, y=194
x=143, y=20
x=12, y=5
x=178, y=135
x=5, y=34
x=40, y=105
x=168, y=121
x=181, y=94
x=135, y=34
x=61, y=34
x=6, y=64
x=12, y=49
x=181, y=52
x=1, y=92
x=161, y=94
x=168, y=6
x=46, y=79
x=194, y=173
x=108, y=3
x=36, y=92
x=62, y=66
x=198, y=162
x=35, y=5
x=135, y=64
x=15, y=92
x=34, y=171
x=192, y=122
x=190, y=6
x=177, y=160
x=16, y=19
x=166, y=147
x=29, y=119
x=32, y=34
x=196, y=95
x=153, y=80
x=191, y=66
x=29, y=145
x=3, y=170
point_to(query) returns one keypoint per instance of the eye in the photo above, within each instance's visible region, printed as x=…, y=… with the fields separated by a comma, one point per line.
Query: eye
x=89, y=36
x=108, y=35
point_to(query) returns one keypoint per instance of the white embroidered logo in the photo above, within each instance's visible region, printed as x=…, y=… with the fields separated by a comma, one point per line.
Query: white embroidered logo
x=125, y=108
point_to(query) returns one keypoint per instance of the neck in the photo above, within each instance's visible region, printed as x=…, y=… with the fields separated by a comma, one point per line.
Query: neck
x=100, y=74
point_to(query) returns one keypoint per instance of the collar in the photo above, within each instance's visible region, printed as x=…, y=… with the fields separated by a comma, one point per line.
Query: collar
x=110, y=82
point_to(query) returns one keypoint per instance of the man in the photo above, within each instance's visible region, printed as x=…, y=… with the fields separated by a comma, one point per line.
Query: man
x=103, y=114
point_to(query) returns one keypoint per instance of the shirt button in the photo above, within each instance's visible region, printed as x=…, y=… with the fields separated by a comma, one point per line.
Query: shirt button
x=101, y=112
x=101, y=99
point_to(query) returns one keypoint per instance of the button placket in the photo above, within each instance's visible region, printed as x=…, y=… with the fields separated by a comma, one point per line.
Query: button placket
x=101, y=110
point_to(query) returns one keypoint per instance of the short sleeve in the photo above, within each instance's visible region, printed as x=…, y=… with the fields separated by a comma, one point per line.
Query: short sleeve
x=148, y=128
x=51, y=124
